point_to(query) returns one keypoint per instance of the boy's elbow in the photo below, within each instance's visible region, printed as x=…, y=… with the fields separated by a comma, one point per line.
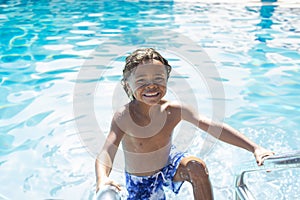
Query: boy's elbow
x=104, y=158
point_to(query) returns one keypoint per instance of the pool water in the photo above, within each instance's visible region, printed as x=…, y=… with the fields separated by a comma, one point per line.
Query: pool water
x=44, y=45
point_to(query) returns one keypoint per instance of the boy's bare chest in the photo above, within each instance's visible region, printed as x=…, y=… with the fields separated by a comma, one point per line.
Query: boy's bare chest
x=149, y=133
x=150, y=128
x=144, y=144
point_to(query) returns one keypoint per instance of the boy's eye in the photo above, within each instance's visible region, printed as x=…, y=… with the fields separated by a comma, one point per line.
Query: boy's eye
x=140, y=81
x=159, y=78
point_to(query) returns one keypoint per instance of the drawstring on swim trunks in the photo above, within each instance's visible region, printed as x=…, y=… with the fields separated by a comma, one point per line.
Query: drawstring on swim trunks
x=156, y=178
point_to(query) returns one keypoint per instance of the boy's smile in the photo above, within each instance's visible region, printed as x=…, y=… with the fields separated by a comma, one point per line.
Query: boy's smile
x=148, y=82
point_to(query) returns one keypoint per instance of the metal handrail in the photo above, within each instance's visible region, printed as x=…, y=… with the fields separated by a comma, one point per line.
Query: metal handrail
x=282, y=161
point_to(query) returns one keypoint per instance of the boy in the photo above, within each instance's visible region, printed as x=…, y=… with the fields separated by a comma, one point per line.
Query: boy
x=145, y=126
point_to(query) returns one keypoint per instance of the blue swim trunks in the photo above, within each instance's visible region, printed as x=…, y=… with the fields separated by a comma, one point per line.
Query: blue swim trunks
x=151, y=187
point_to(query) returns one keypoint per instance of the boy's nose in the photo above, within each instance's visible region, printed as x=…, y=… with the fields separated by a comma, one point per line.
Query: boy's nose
x=151, y=84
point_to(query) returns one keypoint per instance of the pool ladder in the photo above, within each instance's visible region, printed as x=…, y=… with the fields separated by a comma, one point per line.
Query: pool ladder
x=282, y=161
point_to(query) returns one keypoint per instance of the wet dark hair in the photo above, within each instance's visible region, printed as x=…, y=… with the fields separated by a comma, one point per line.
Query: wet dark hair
x=141, y=56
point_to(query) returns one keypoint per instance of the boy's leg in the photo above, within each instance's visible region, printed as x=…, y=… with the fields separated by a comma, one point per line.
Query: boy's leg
x=194, y=170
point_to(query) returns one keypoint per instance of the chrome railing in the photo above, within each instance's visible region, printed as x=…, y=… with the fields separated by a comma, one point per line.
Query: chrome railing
x=282, y=161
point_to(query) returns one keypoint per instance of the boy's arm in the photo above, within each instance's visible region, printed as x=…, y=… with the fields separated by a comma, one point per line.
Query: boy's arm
x=226, y=134
x=104, y=160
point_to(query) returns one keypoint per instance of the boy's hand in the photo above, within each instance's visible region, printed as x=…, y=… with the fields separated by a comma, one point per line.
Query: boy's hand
x=107, y=181
x=262, y=154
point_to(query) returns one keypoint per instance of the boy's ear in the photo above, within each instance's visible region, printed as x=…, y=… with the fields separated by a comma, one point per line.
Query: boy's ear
x=128, y=90
x=126, y=85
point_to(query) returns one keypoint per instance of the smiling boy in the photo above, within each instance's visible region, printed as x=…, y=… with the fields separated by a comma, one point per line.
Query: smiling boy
x=145, y=126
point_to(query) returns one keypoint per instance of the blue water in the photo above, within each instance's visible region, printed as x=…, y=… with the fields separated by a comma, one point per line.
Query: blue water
x=44, y=45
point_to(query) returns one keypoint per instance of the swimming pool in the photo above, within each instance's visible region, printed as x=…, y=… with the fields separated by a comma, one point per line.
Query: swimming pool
x=254, y=47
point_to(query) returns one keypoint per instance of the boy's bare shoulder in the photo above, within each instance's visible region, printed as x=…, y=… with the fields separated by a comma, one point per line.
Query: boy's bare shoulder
x=121, y=113
x=174, y=107
x=180, y=107
x=120, y=118
x=173, y=104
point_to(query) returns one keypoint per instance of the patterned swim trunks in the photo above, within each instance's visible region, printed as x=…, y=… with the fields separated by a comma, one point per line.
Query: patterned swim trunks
x=151, y=187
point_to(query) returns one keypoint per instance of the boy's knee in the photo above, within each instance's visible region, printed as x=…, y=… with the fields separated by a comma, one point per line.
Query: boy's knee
x=197, y=169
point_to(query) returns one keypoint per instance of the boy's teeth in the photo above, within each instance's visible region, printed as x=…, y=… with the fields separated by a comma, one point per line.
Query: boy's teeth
x=151, y=94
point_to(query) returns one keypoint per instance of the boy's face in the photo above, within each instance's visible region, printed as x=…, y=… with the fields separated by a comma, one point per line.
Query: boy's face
x=148, y=82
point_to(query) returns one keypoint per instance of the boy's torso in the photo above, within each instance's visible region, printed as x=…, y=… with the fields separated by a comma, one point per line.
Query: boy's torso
x=147, y=140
